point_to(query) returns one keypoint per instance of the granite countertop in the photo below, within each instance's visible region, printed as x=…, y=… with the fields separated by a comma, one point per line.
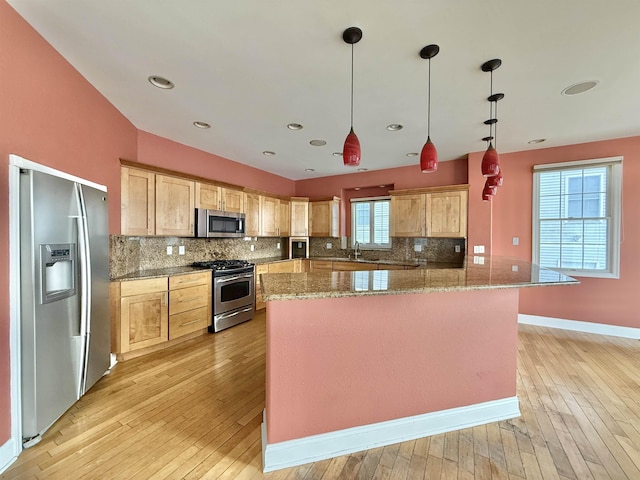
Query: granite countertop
x=495, y=272
x=158, y=272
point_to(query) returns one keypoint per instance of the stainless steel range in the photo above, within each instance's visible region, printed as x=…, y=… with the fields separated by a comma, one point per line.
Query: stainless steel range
x=233, y=292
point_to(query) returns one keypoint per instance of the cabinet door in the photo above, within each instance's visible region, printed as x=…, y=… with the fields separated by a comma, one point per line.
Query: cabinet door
x=208, y=196
x=187, y=322
x=137, y=208
x=284, y=219
x=287, y=266
x=447, y=214
x=299, y=218
x=144, y=320
x=260, y=269
x=252, y=212
x=175, y=203
x=232, y=200
x=320, y=266
x=324, y=218
x=269, y=210
x=184, y=299
x=408, y=216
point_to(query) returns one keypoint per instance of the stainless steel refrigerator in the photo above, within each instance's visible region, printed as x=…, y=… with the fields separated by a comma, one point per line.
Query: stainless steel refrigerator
x=64, y=289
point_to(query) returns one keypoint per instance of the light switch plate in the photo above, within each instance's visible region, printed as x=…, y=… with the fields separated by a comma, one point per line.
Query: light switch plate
x=417, y=248
x=516, y=240
x=252, y=248
x=181, y=250
x=457, y=248
x=329, y=245
x=278, y=245
x=169, y=250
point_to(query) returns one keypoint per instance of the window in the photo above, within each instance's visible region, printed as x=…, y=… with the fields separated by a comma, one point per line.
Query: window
x=576, y=217
x=370, y=222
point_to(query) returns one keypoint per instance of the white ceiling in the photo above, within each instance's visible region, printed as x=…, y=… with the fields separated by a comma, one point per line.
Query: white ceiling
x=250, y=67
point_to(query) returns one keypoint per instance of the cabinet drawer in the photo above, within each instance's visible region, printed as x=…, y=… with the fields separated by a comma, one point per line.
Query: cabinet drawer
x=181, y=281
x=187, y=322
x=282, y=267
x=321, y=265
x=138, y=287
x=188, y=298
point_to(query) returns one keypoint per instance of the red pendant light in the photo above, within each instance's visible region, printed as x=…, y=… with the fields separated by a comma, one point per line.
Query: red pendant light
x=351, y=149
x=490, y=161
x=495, y=180
x=429, y=154
x=488, y=192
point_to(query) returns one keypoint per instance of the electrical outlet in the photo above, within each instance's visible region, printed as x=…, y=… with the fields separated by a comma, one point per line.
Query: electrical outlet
x=478, y=249
x=278, y=245
x=169, y=250
x=252, y=247
x=329, y=245
x=478, y=260
x=181, y=250
x=417, y=248
x=514, y=268
x=516, y=240
x=457, y=248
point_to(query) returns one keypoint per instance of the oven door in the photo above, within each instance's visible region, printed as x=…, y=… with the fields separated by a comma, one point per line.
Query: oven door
x=232, y=292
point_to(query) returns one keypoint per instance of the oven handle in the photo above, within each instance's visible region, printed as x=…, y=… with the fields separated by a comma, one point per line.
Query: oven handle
x=231, y=279
x=229, y=315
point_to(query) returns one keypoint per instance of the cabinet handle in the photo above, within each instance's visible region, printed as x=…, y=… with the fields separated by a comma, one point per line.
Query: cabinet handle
x=190, y=299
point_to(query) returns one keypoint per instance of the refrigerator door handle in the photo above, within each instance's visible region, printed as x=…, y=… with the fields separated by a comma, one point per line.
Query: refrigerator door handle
x=85, y=282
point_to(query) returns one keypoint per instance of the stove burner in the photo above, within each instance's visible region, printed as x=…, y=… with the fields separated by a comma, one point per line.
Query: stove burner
x=223, y=264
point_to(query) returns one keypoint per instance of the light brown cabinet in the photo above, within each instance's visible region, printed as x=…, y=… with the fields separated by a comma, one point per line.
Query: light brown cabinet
x=137, y=205
x=430, y=212
x=252, y=212
x=353, y=266
x=148, y=314
x=285, y=266
x=175, y=199
x=269, y=216
x=215, y=197
x=299, y=217
x=284, y=218
x=324, y=218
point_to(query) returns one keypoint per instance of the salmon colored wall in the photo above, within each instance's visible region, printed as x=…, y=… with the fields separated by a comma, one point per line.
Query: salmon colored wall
x=161, y=152
x=608, y=301
x=51, y=115
x=368, y=359
x=452, y=172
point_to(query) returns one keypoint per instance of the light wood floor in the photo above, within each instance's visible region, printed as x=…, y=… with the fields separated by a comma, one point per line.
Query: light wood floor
x=194, y=412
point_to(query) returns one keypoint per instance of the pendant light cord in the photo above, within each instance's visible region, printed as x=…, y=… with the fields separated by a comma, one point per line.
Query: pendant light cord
x=429, y=103
x=352, y=86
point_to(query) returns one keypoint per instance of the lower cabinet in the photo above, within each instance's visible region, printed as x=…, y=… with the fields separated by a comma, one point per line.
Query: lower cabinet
x=284, y=266
x=148, y=314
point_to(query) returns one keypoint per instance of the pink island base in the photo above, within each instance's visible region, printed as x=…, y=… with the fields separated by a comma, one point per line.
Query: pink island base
x=338, y=363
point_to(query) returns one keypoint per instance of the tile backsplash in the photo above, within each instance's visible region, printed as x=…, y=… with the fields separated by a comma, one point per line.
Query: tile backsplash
x=132, y=254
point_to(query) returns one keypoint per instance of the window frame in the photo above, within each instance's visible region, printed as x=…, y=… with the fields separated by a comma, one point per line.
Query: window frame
x=370, y=246
x=614, y=213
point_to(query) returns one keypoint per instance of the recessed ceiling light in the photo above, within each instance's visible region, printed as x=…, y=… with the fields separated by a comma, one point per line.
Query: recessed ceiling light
x=160, y=82
x=357, y=188
x=337, y=154
x=537, y=140
x=363, y=169
x=294, y=126
x=394, y=127
x=382, y=186
x=268, y=153
x=309, y=169
x=200, y=124
x=579, y=88
x=412, y=154
x=318, y=143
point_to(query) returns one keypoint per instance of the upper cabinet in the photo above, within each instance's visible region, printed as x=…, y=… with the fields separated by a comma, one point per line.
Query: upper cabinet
x=299, y=217
x=174, y=206
x=284, y=229
x=215, y=197
x=252, y=212
x=430, y=212
x=324, y=218
x=269, y=216
x=137, y=205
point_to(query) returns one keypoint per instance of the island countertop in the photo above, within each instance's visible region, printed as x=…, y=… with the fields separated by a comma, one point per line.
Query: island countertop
x=492, y=272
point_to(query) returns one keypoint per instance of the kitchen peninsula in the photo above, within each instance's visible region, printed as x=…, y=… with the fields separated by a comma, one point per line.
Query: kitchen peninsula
x=360, y=359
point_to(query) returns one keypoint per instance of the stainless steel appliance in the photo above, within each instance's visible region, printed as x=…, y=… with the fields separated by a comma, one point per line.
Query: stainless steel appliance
x=234, y=296
x=298, y=247
x=217, y=223
x=64, y=293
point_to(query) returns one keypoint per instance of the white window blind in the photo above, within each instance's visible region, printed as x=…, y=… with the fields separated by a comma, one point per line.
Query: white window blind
x=370, y=222
x=576, y=217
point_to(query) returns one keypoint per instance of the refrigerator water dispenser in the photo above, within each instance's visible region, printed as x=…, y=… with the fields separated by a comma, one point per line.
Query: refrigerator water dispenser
x=58, y=274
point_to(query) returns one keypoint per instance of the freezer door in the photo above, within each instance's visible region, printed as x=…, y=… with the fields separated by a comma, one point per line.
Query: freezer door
x=50, y=328
x=98, y=340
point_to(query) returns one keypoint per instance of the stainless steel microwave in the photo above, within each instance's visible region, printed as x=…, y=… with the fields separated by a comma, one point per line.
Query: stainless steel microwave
x=216, y=223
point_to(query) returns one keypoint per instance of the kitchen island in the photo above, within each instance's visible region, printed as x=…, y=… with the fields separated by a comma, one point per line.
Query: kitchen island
x=360, y=359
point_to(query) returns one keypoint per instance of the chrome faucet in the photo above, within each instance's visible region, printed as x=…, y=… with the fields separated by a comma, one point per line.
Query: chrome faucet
x=356, y=250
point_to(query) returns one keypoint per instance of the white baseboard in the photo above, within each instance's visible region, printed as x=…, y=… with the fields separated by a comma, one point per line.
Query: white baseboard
x=8, y=454
x=343, y=442
x=586, y=327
